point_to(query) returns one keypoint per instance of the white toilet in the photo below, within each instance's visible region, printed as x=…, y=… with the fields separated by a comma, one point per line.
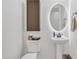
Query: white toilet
x=32, y=48
x=30, y=56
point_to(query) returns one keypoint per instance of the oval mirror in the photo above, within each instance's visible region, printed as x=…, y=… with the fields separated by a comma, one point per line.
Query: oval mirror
x=58, y=17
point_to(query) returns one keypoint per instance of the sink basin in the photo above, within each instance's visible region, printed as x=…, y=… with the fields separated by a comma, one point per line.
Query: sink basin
x=61, y=40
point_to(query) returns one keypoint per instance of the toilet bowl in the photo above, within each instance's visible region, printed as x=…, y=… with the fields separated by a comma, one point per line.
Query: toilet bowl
x=30, y=56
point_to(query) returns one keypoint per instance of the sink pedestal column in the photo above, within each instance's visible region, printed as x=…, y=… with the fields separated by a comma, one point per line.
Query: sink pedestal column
x=60, y=46
x=59, y=51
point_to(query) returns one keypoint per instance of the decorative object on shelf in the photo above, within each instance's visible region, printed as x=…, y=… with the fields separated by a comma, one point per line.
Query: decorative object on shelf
x=31, y=37
x=74, y=22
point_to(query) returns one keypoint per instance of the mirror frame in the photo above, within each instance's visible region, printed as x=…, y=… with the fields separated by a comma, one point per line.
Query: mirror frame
x=49, y=23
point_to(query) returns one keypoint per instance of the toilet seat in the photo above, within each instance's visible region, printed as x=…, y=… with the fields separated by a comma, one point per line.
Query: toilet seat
x=30, y=56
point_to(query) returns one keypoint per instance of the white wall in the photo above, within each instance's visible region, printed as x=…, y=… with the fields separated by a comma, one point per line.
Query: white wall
x=71, y=47
x=12, y=29
x=73, y=34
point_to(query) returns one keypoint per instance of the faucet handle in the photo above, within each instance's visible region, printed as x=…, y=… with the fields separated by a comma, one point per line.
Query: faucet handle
x=54, y=34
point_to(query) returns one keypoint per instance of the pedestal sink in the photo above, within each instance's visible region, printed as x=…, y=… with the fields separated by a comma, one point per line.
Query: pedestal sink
x=58, y=20
x=61, y=40
x=59, y=46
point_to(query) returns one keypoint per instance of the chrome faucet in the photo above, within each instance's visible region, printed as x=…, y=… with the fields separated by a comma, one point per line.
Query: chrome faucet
x=57, y=34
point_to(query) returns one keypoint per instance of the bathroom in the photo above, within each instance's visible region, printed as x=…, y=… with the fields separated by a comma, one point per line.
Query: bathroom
x=15, y=33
